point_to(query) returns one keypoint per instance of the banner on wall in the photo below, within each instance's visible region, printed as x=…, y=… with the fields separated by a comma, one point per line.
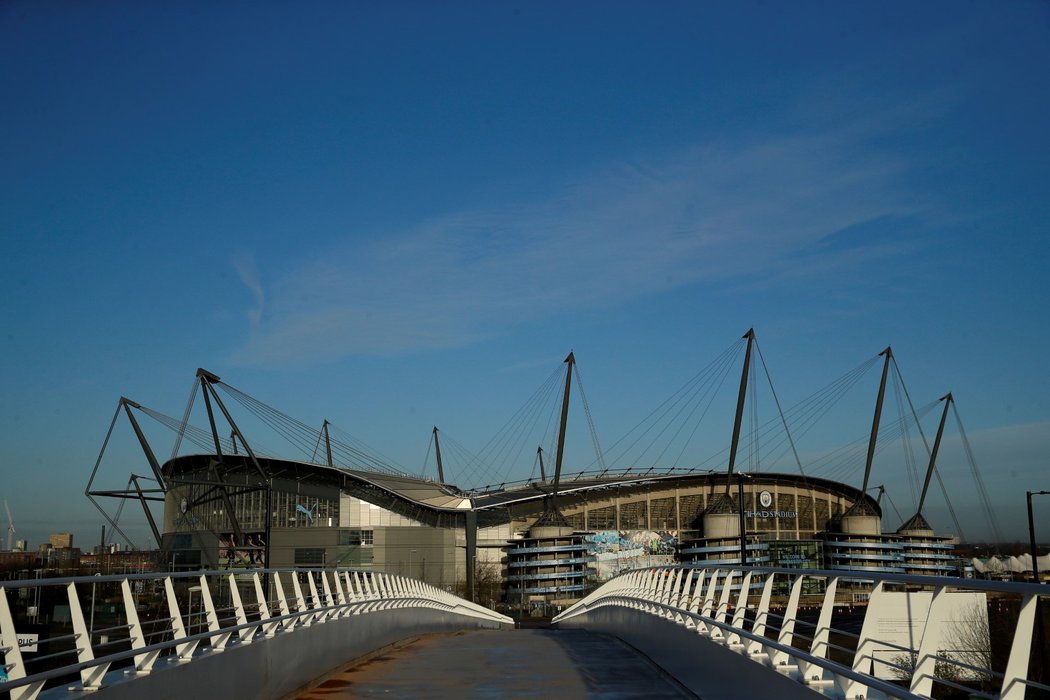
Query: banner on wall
x=249, y=553
x=616, y=551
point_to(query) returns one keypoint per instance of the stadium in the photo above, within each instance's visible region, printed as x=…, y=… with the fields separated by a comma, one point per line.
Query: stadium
x=534, y=544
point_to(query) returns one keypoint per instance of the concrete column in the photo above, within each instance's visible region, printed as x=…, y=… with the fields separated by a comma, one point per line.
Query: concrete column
x=471, y=534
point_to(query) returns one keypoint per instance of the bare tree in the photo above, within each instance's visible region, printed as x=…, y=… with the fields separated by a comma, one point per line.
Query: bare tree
x=968, y=641
x=488, y=583
x=967, y=656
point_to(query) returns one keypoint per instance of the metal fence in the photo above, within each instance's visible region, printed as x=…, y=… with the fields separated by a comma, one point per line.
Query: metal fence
x=850, y=634
x=73, y=631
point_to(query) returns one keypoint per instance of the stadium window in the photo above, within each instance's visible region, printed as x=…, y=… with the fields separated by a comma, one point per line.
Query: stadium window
x=349, y=538
x=313, y=556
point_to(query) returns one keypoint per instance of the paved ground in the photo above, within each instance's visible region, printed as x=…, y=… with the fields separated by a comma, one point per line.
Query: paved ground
x=524, y=663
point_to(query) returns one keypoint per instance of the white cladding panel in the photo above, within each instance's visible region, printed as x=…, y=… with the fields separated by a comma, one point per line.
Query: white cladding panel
x=902, y=619
x=355, y=513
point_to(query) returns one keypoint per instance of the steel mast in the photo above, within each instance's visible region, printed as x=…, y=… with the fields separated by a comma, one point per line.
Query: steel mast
x=741, y=395
x=437, y=453
x=917, y=521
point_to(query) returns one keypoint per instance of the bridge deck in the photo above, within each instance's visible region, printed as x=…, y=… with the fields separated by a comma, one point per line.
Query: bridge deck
x=511, y=663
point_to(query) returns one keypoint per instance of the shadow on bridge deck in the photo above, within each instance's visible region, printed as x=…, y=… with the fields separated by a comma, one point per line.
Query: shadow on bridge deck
x=519, y=663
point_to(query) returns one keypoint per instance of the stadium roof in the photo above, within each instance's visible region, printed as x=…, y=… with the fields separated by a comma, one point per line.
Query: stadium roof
x=446, y=497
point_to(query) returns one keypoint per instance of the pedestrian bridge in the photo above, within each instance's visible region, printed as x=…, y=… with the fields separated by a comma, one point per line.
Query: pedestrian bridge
x=659, y=632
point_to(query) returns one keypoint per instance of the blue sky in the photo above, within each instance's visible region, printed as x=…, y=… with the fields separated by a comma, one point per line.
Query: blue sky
x=396, y=215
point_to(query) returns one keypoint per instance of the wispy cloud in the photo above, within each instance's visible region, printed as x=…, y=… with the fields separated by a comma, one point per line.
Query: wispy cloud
x=721, y=211
x=244, y=263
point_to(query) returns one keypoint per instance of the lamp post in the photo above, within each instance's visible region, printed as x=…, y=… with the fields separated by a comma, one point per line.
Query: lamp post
x=743, y=520
x=1031, y=532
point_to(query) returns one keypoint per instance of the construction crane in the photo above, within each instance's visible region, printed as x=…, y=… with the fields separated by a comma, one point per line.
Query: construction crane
x=10, y=527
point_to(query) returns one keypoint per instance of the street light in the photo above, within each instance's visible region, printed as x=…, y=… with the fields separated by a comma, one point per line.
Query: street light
x=743, y=521
x=1031, y=532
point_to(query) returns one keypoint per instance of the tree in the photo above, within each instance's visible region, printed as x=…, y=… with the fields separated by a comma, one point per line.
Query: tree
x=968, y=642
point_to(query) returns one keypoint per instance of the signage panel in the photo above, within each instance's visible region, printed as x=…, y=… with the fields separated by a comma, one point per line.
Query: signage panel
x=27, y=642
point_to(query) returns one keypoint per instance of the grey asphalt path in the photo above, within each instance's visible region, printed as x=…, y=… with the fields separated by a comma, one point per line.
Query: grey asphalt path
x=524, y=663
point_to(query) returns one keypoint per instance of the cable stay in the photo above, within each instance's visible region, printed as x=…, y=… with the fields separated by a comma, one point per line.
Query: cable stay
x=590, y=420
x=780, y=411
x=186, y=431
x=951, y=508
x=327, y=443
x=537, y=421
x=185, y=420
x=918, y=521
x=882, y=492
x=909, y=456
x=675, y=413
x=454, y=455
x=667, y=424
x=426, y=457
x=506, y=447
x=801, y=418
x=849, y=459
x=343, y=451
x=931, y=454
x=350, y=452
x=808, y=413
x=754, y=461
x=902, y=430
x=986, y=503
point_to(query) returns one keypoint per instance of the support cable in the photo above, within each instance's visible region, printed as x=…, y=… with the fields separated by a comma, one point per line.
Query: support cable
x=706, y=408
x=894, y=505
x=590, y=420
x=426, y=457
x=198, y=436
x=850, y=456
x=185, y=420
x=936, y=472
x=986, y=502
x=809, y=411
x=753, y=457
x=780, y=411
x=691, y=394
x=510, y=438
x=909, y=457
x=303, y=436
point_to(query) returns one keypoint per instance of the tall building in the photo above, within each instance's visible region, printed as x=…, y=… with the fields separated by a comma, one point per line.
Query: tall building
x=61, y=540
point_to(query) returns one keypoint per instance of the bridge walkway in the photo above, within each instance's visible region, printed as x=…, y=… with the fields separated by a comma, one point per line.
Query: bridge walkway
x=521, y=663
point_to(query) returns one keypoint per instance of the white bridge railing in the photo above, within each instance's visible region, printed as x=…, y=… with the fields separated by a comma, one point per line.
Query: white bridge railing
x=143, y=621
x=847, y=634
